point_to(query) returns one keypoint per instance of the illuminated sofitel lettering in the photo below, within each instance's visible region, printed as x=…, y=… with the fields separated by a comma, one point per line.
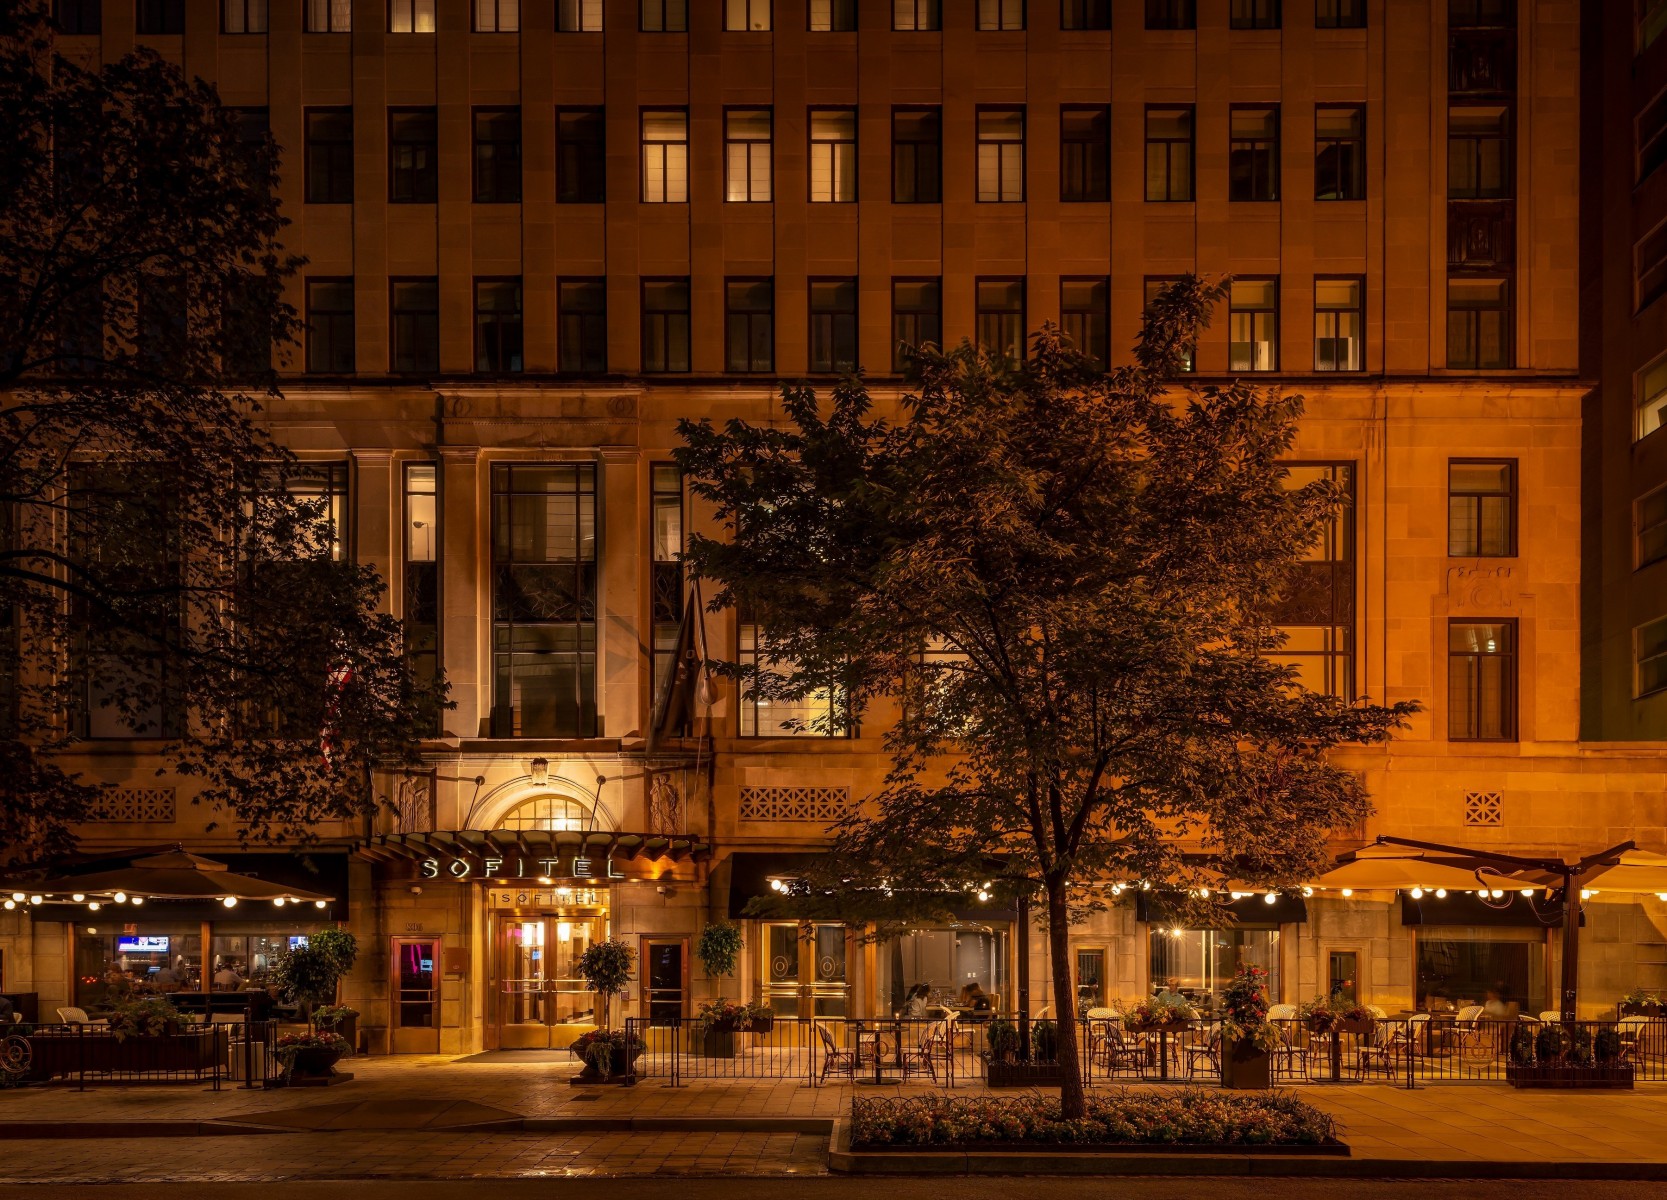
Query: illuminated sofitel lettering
x=575, y=867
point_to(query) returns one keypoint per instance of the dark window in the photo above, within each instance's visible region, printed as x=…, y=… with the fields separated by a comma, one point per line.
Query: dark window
x=916, y=318
x=160, y=17
x=1649, y=520
x=665, y=325
x=1253, y=325
x=246, y=334
x=1481, y=508
x=582, y=333
x=578, y=16
x=833, y=16
x=329, y=156
x=414, y=311
x=581, y=157
x=1485, y=13
x=1339, y=325
x=1155, y=284
x=1340, y=152
x=1085, y=154
x=1478, y=323
x=329, y=16
x=916, y=155
x=544, y=600
x=1478, y=152
x=1650, y=266
x=1001, y=155
x=1652, y=20
x=1254, y=14
x=1085, y=316
x=1481, y=681
x=421, y=608
x=497, y=16
x=164, y=316
x=79, y=16
x=1651, y=132
x=80, y=349
x=255, y=149
x=749, y=325
x=915, y=16
x=1001, y=14
x=1253, y=154
x=1085, y=14
x=1316, y=613
x=665, y=517
x=498, y=326
x=330, y=326
x=747, y=155
x=242, y=16
x=1340, y=14
x=413, y=162
x=833, y=325
x=1171, y=14
x=1649, y=651
x=1001, y=318
x=497, y=156
x=664, y=16
x=1169, y=154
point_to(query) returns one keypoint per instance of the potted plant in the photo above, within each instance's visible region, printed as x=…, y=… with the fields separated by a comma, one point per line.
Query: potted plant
x=1006, y=1065
x=310, y=974
x=1552, y=1056
x=1248, y=1038
x=606, y=969
x=719, y=948
x=1161, y=1013
x=1641, y=1002
x=608, y=1055
x=716, y=1024
x=145, y=1016
x=309, y=1056
x=1001, y=1037
x=338, y=1019
x=761, y=1018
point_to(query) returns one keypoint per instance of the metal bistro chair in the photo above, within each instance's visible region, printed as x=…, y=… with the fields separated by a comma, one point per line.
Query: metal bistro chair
x=1290, y=1051
x=833, y=1058
x=1207, y=1051
x=934, y=1045
x=70, y=1015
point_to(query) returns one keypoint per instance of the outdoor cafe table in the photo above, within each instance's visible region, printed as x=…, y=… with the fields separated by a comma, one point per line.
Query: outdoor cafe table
x=870, y=1041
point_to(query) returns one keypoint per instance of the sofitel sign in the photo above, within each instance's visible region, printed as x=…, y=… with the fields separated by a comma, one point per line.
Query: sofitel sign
x=574, y=867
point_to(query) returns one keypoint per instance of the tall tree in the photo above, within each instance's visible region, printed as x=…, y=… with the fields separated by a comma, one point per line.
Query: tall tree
x=1067, y=581
x=167, y=570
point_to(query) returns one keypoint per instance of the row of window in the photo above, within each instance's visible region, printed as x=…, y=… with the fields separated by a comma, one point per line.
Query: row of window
x=672, y=16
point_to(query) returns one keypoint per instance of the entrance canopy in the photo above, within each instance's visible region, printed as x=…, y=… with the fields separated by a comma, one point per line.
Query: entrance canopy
x=529, y=853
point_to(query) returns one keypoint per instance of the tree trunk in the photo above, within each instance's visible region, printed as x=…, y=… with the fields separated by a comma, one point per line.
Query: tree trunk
x=1072, y=1101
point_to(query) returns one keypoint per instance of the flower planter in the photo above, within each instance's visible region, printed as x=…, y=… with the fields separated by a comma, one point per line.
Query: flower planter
x=348, y=1027
x=1245, y=1068
x=762, y=1024
x=1162, y=1026
x=1536, y=1076
x=1641, y=1010
x=719, y=1041
x=591, y=1077
x=315, y=1062
x=1356, y=1025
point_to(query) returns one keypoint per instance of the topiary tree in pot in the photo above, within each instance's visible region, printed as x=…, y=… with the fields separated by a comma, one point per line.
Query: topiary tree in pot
x=606, y=969
x=310, y=974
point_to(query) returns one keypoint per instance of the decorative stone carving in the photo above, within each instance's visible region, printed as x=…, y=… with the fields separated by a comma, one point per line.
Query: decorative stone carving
x=131, y=805
x=667, y=813
x=1484, y=808
x=414, y=802
x=822, y=805
x=1481, y=589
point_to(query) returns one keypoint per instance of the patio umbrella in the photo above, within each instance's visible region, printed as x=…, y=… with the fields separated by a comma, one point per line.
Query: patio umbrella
x=1637, y=871
x=1385, y=867
x=175, y=875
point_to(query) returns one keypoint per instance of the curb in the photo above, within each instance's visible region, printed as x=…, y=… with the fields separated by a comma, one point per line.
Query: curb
x=58, y=1130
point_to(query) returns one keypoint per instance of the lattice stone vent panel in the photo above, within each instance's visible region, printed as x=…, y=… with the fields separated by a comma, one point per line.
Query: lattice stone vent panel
x=133, y=805
x=823, y=804
x=1484, y=808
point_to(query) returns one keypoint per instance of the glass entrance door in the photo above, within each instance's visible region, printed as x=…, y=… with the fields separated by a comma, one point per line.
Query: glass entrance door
x=538, y=985
x=666, y=981
x=416, y=983
x=804, y=971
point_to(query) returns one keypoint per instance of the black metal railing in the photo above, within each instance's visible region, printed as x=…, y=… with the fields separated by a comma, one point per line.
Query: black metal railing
x=218, y=1053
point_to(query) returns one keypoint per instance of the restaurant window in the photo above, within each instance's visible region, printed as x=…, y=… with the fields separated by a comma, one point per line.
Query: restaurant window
x=1253, y=325
x=329, y=16
x=1650, y=656
x=411, y=16
x=1481, y=681
x=1253, y=14
x=1092, y=982
x=581, y=158
x=749, y=325
x=916, y=155
x=916, y=318
x=1478, y=323
x=1199, y=963
x=413, y=158
x=578, y=16
x=544, y=600
x=329, y=155
x=946, y=957
x=1316, y=613
x=1343, y=975
x=1650, y=131
x=1169, y=155
x=1340, y=14
x=1155, y=285
x=414, y=317
x=1171, y=14
x=1650, y=390
x=582, y=326
x=497, y=16
x=1457, y=972
x=833, y=155
x=833, y=16
x=1339, y=325
x=1085, y=316
x=1481, y=508
x=915, y=16
x=664, y=16
x=498, y=326
x=1478, y=152
x=1001, y=155
x=1253, y=153
x=818, y=713
x=1650, y=524
x=1085, y=14
x=803, y=970
x=421, y=609
x=665, y=156
x=1001, y=14
x=833, y=325
x=243, y=16
x=747, y=155
x=497, y=155
x=159, y=956
x=665, y=325
x=747, y=16
x=1339, y=152
x=160, y=17
x=78, y=16
x=1085, y=154
x=330, y=326
x=665, y=515
x=1652, y=22
x=1001, y=318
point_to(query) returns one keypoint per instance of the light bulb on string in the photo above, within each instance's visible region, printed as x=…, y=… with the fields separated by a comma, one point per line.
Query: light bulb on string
x=120, y=897
x=1417, y=893
x=229, y=901
x=135, y=900
x=1441, y=893
x=1347, y=892
x=78, y=897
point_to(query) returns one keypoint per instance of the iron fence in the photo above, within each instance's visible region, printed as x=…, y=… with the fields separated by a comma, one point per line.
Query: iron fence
x=218, y=1053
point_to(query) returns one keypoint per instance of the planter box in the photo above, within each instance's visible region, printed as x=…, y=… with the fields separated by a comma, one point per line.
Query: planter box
x=314, y=1062
x=348, y=1027
x=1641, y=1010
x=1017, y=1074
x=1245, y=1068
x=719, y=1041
x=1165, y=1027
x=193, y=1053
x=1334, y=1149
x=1610, y=1076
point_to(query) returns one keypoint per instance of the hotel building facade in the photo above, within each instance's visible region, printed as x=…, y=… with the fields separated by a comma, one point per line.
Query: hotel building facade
x=538, y=235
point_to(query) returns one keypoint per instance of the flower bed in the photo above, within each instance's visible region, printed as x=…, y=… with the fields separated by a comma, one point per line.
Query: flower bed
x=1187, y=1117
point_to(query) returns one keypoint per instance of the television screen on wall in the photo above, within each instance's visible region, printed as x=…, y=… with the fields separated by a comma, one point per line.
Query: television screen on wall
x=142, y=945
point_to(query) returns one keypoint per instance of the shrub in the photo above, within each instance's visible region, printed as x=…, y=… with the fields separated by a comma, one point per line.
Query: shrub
x=719, y=947
x=1244, y=1007
x=310, y=973
x=1607, y=1045
x=1044, y=1042
x=1548, y=1045
x=144, y=1017
x=1522, y=1046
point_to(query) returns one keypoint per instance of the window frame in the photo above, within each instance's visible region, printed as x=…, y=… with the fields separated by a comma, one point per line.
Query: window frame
x=498, y=8
x=898, y=144
x=834, y=7
x=589, y=322
x=667, y=315
x=837, y=149
x=1507, y=311
x=1002, y=15
x=245, y=6
x=395, y=313
x=1172, y=15
x=1254, y=148
x=998, y=144
x=1337, y=553
x=1149, y=283
x=1354, y=187
x=1344, y=14
x=1085, y=16
x=88, y=17
x=750, y=320
x=591, y=158
x=1243, y=15
x=813, y=365
x=1506, y=140
x=1511, y=717
x=432, y=173
x=899, y=363
x=330, y=10
x=664, y=168
x=682, y=8
x=1639, y=691
x=980, y=313
x=312, y=365
x=1272, y=311
x=1359, y=311
x=412, y=10
x=340, y=164
x=1098, y=347
x=928, y=11
x=748, y=145
x=1649, y=527
x=159, y=18
x=582, y=10
x=749, y=10
x=1512, y=477
x=1095, y=168
x=1652, y=406
x=489, y=319
x=492, y=168
x=1191, y=161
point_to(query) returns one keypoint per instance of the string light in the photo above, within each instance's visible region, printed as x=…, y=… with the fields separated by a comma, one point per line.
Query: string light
x=92, y=906
x=18, y=896
x=1347, y=892
x=1441, y=893
x=1417, y=893
x=78, y=897
x=121, y=897
x=1498, y=893
x=136, y=900
x=229, y=901
x=1585, y=893
x=1527, y=892
x=318, y=904
x=277, y=901
x=1270, y=897
x=10, y=904
x=35, y=899
x=1307, y=891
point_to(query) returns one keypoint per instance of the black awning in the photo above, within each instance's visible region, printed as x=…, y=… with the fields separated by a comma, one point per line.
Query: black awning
x=323, y=871
x=1512, y=911
x=1156, y=908
x=750, y=873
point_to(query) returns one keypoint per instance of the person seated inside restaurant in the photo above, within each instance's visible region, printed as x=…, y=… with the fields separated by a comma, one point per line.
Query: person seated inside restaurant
x=226, y=979
x=914, y=1006
x=975, y=1000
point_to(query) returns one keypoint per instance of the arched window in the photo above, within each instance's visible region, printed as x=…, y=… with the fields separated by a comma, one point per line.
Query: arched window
x=553, y=813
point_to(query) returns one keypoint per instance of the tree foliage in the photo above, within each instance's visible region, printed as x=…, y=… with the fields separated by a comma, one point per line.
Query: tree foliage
x=1066, y=581
x=167, y=570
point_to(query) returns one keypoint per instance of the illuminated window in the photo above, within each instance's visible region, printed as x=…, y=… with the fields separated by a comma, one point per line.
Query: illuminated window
x=1481, y=681
x=747, y=155
x=1001, y=155
x=665, y=156
x=833, y=155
